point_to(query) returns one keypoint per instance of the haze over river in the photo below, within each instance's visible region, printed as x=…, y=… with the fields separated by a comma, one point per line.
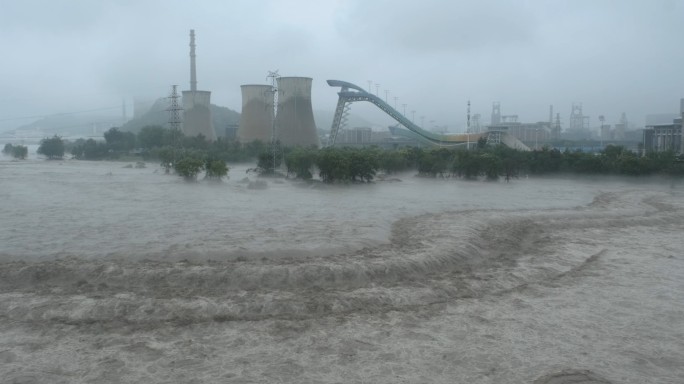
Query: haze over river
x=111, y=274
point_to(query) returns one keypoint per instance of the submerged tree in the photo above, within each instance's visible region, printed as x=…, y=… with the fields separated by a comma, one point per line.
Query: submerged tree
x=16, y=151
x=189, y=167
x=215, y=169
x=19, y=152
x=300, y=163
x=52, y=147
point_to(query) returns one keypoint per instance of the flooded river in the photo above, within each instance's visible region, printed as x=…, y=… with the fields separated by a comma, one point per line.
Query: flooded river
x=112, y=274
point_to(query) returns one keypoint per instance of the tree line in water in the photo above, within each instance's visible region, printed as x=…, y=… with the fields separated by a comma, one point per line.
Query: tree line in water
x=189, y=156
x=488, y=162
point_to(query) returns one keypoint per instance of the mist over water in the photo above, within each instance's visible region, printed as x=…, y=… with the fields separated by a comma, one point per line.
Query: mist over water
x=114, y=274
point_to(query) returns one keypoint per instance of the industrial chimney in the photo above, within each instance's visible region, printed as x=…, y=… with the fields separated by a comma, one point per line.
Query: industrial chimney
x=256, y=120
x=193, y=68
x=196, y=112
x=295, y=124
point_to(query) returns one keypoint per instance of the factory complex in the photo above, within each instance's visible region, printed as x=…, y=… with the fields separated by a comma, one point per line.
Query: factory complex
x=282, y=112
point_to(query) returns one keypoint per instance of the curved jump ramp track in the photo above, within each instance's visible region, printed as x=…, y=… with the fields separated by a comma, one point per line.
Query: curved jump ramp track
x=350, y=93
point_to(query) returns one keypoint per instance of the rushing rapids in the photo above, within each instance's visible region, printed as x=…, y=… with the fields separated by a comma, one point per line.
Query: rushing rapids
x=137, y=276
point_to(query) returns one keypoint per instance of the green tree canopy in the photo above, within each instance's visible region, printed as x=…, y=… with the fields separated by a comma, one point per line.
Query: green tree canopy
x=188, y=168
x=119, y=141
x=300, y=162
x=52, y=148
x=19, y=152
x=16, y=151
x=152, y=136
x=216, y=169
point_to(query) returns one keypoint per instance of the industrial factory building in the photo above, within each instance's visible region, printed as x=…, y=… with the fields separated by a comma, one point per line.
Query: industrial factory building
x=531, y=134
x=294, y=121
x=196, y=112
x=666, y=137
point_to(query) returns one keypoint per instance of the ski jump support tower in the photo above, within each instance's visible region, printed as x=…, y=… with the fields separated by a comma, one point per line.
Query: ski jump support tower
x=350, y=93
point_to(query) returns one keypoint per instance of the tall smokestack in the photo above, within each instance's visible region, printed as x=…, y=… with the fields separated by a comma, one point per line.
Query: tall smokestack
x=193, y=71
x=197, y=104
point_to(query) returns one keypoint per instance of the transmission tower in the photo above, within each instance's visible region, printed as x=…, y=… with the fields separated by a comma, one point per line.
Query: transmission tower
x=577, y=119
x=496, y=113
x=174, y=109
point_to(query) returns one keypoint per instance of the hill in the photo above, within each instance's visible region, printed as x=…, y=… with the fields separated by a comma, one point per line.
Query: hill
x=222, y=117
x=66, y=125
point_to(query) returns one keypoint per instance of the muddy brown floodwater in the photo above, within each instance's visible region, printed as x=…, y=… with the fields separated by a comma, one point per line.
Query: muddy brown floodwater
x=111, y=274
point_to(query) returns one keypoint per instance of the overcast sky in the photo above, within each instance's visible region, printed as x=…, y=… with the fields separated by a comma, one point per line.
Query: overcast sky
x=612, y=56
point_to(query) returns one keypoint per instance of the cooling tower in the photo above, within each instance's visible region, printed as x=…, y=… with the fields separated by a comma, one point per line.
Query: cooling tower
x=295, y=122
x=197, y=115
x=256, y=120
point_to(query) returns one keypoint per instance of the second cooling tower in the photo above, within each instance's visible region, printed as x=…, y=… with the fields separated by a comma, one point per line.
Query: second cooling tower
x=295, y=124
x=256, y=120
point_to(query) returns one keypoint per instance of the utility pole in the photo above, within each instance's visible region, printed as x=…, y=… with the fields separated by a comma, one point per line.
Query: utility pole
x=404, y=105
x=377, y=89
x=395, y=102
x=386, y=94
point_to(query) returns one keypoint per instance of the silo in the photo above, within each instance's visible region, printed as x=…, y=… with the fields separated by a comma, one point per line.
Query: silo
x=256, y=120
x=295, y=124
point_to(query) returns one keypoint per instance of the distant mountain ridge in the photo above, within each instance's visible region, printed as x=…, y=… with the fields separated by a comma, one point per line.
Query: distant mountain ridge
x=68, y=125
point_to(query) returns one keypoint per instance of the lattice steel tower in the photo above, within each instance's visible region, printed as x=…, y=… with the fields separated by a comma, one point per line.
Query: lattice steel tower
x=174, y=109
x=496, y=113
x=576, y=117
x=274, y=76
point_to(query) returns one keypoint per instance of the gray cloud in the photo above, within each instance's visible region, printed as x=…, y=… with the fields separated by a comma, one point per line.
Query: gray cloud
x=433, y=55
x=438, y=26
